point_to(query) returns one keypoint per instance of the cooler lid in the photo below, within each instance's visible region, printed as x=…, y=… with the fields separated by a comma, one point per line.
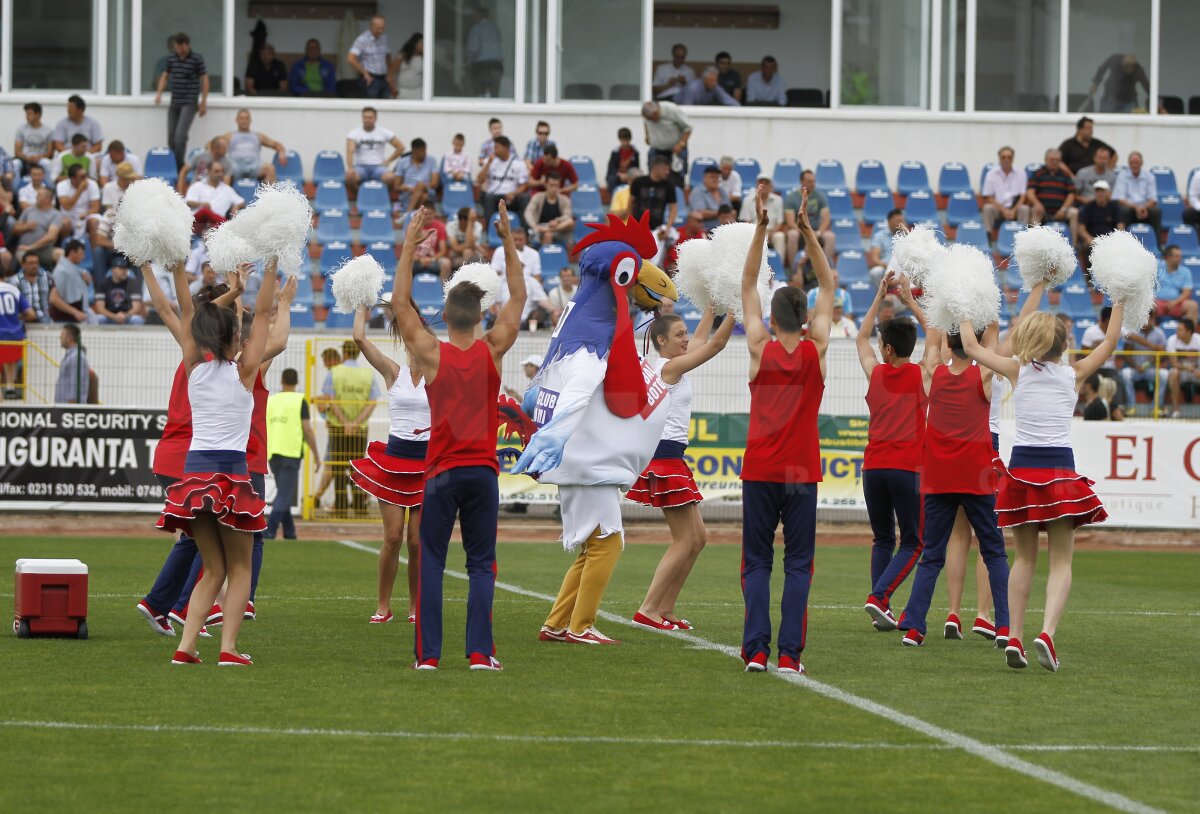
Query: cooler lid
x=44, y=566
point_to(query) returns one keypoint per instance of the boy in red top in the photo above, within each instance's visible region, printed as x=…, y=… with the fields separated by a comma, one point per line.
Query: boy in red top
x=782, y=464
x=462, y=380
x=897, y=398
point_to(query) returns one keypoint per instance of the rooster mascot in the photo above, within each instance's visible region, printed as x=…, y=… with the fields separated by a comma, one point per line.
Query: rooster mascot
x=600, y=413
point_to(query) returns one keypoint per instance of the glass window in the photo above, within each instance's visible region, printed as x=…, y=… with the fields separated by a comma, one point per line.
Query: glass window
x=120, y=24
x=204, y=23
x=954, y=54
x=1016, y=55
x=1109, y=61
x=590, y=72
x=476, y=48
x=52, y=45
x=885, y=53
x=1179, y=22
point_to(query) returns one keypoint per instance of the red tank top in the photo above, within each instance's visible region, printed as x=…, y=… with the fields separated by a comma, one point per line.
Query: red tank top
x=256, y=447
x=958, y=441
x=782, y=445
x=462, y=409
x=897, y=403
x=173, y=447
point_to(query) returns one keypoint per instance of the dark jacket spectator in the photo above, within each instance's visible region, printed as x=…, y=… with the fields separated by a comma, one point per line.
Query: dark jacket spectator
x=623, y=156
x=265, y=73
x=314, y=74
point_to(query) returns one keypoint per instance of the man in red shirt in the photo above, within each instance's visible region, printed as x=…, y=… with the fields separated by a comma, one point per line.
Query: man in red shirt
x=782, y=464
x=550, y=162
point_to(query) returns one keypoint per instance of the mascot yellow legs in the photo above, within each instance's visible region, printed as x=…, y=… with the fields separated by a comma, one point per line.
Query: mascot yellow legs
x=583, y=587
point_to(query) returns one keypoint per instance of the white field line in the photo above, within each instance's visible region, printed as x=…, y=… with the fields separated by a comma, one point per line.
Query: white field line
x=988, y=752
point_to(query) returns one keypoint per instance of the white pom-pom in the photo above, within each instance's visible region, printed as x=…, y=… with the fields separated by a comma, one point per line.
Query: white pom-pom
x=915, y=252
x=960, y=286
x=276, y=224
x=1043, y=254
x=1123, y=269
x=357, y=283
x=226, y=249
x=482, y=275
x=154, y=224
x=694, y=261
x=731, y=244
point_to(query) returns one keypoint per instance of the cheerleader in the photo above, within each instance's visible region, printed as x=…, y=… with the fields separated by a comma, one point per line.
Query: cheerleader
x=667, y=483
x=394, y=472
x=1040, y=488
x=214, y=502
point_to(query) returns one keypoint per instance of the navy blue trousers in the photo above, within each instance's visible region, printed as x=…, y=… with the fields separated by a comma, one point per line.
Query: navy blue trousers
x=893, y=498
x=764, y=506
x=287, y=479
x=472, y=495
x=940, y=511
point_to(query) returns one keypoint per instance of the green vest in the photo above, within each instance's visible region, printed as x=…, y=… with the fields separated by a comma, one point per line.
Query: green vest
x=351, y=391
x=285, y=435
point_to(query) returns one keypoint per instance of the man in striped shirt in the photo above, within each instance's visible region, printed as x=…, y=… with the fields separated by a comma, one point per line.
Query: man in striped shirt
x=370, y=55
x=1051, y=193
x=189, y=93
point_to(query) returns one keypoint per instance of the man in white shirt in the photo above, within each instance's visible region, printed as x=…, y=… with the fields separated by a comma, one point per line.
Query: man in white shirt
x=27, y=195
x=366, y=148
x=114, y=155
x=79, y=198
x=1183, y=368
x=1003, y=191
x=1191, y=215
x=537, y=305
x=1137, y=191
x=671, y=77
x=503, y=177
x=371, y=57
x=124, y=174
x=842, y=327
x=776, y=232
x=563, y=293
x=211, y=196
x=731, y=181
x=766, y=86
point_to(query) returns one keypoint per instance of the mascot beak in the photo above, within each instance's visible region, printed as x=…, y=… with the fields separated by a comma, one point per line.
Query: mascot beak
x=652, y=287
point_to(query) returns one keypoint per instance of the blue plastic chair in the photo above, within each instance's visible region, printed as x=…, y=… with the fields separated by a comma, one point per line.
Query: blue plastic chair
x=554, y=260
x=870, y=176
x=852, y=267
x=911, y=178
x=456, y=195
x=1184, y=236
x=428, y=292
x=840, y=205
x=581, y=225
x=304, y=287
x=331, y=194
x=384, y=253
x=1006, y=242
x=962, y=207
x=953, y=178
x=971, y=233
x=920, y=206
x=493, y=235
x=292, y=171
x=586, y=200
x=301, y=312
x=983, y=173
x=681, y=208
x=377, y=227
x=328, y=166
x=775, y=262
x=1164, y=179
x=846, y=234
x=786, y=175
x=830, y=174
x=1081, y=326
x=372, y=195
x=247, y=188
x=333, y=225
x=333, y=254
x=749, y=169
x=876, y=206
x=585, y=168
x=1171, y=207
x=689, y=313
x=160, y=163
x=696, y=171
x=1144, y=232
x=1077, y=300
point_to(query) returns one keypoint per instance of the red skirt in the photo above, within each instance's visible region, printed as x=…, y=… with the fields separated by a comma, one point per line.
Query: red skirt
x=1028, y=495
x=230, y=497
x=398, y=481
x=666, y=483
x=11, y=353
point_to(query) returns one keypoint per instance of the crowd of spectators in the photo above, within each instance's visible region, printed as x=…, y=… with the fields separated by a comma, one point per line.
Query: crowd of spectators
x=719, y=83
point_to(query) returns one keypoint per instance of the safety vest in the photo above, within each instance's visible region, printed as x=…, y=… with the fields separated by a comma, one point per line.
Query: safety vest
x=285, y=434
x=351, y=391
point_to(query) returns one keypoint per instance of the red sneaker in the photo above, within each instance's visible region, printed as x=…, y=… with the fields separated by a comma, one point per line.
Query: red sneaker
x=181, y=657
x=953, y=627
x=178, y=617
x=158, y=622
x=757, y=663
x=377, y=619
x=881, y=614
x=426, y=664
x=549, y=634
x=412, y=618
x=215, y=617
x=984, y=628
x=234, y=660
x=787, y=664
x=482, y=662
x=249, y=614
x=1014, y=654
x=1046, y=656
x=204, y=634
x=682, y=624
x=1001, y=638
x=913, y=638
x=589, y=636
x=642, y=619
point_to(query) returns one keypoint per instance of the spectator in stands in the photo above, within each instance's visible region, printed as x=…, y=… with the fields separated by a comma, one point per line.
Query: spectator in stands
x=550, y=162
x=725, y=214
x=1101, y=216
x=35, y=142
x=549, y=213
x=1137, y=191
x=415, y=178
x=1091, y=339
x=620, y=204
x=1050, y=194
x=370, y=56
x=123, y=175
x=704, y=200
x=1080, y=150
x=879, y=252
x=667, y=133
x=1183, y=368
x=27, y=195
x=503, y=177
x=199, y=268
x=1140, y=369
x=692, y=229
x=731, y=181
x=623, y=156
x=79, y=198
x=13, y=316
x=38, y=288
x=465, y=239
x=1124, y=74
x=409, y=68
x=842, y=326
x=211, y=196
x=1087, y=176
x=728, y=76
x=1003, y=191
x=537, y=145
x=671, y=77
x=818, y=215
x=119, y=298
x=38, y=229
x=1095, y=406
x=433, y=254
x=841, y=297
x=215, y=150
x=76, y=156
x=245, y=152
x=776, y=223
x=456, y=164
x=117, y=154
x=654, y=193
x=1068, y=326
x=188, y=79
x=1173, y=298
x=765, y=87
x=71, y=281
x=706, y=91
x=1191, y=215
x=560, y=295
x=366, y=146
x=77, y=121
x=166, y=282
x=313, y=75
x=537, y=305
x=485, y=54
x=495, y=131
x=266, y=75
x=71, y=386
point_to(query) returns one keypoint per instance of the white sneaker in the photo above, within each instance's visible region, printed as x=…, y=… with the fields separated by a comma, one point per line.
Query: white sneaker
x=589, y=636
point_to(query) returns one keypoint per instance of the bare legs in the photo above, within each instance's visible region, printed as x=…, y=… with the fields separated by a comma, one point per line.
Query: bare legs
x=1020, y=577
x=1058, y=585
x=688, y=537
x=225, y=553
x=394, y=527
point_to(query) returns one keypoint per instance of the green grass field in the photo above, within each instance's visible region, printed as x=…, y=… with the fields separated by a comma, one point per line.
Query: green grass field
x=331, y=718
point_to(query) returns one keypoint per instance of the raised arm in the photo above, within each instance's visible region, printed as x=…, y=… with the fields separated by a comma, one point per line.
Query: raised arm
x=821, y=318
x=757, y=335
x=1095, y=360
x=387, y=368
x=703, y=350
x=277, y=339
x=906, y=297
x=423, y=346
x=508, y=324
x=1005, y=366
x=931, y=356
x=160, y=302
x=866, y=354
x=255, y=350
x=192, y=355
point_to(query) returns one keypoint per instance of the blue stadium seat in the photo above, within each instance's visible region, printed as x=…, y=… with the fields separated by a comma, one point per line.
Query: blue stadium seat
x=749, y=169
x=962, y=207
x=852, y=266
x=840, y=205
x=372, y=195
x=953, y=178
x=912, y=177
x=776, y=264
x=160, y=163
x=247, y=188
x=586, y=200
x=456, y=195
x=333, y=225
x=1044, y=305
x=384, y=252
x=870, y=176
x=304, y=289
x=334, y=253
x=983, y=173
x=786, y=175
x=1032, y=167
x=1060, y=227
x=1010, y=278
x=331, y=195
x=1006, y=241
x=585, y=168
x=292, y=171
x=1144, y=232
x=581, y=225
x=301, y=313
x=1164, y=179
x=1077, y=299
x=846, y=234
x=689, y=313
x=830, y=174
x=971, y=233
x=328, y=166
x=1081, y=325
x=1184, y=236
x=920, y=206
x=377, y=226
x=428, y=294
x=860, y=291
x=1171, y=207
x=681, y=208
x=696, y=173
x=878, y=203
x=554, y=260
x=494, y=237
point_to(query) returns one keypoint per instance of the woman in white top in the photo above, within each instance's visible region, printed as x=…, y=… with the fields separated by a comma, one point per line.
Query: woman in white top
x=668, y=483
x=214, y=502
x=1041, y=489
x=410, y=68
x=394, y=473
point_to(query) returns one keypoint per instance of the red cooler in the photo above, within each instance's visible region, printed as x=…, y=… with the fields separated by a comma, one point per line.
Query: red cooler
x=51, y=598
